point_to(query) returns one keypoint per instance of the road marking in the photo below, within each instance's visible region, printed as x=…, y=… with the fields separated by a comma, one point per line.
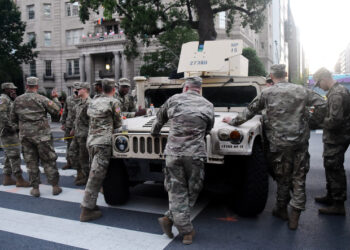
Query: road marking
x=135, y=203
x=68, y=172
x=60, y=150
x=78, y=234
x=319, y=131
x=59, y=159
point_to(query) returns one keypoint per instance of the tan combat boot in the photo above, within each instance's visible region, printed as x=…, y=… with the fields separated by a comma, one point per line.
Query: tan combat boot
x=67, y=166
x=88, y=214
x=35, y=192
x=56, y=190
x=336, y=209
x=8, y=181
x=280, y=212
x=20, y=182
x=80, y=175
x=81, y=182
x=326, y=200
x=294, y=219
x=188, y=238
x=166, y=224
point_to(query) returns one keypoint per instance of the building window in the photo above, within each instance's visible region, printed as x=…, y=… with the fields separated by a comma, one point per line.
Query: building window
x=262, y=45
x=47, y=10
x=30, y=11
x=31, y=36
x=73, y=67
x=73, y=36
x=222, y=20
x=32, y=68
x=48, y=68
x=47, y=38
x=72, y=9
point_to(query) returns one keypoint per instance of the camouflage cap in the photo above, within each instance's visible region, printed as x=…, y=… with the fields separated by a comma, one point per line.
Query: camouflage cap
x=76, y=85
x=278, y=69
x=8, y=85
x=83, y=85
x=124, y=82
x=320, y=74
x=32, y=81
x=196, y=81
x=108, y=81
x=98, y=81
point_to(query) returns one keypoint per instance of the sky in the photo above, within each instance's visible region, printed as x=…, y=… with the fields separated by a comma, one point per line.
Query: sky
x=324, y=30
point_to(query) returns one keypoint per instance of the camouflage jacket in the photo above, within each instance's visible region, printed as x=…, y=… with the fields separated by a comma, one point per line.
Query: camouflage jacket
x=191, y=118
x=336, y=125
x=105, y=117
x=67, y=115
x=287, y=113
x=30, y=112
x=81, y=122
x=97, y=96
x=6, y=105
x=127, y=105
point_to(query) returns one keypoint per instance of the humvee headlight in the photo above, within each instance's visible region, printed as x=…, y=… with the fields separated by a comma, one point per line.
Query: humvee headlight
x=122, y=144
x=224, y=134
x=236, y=137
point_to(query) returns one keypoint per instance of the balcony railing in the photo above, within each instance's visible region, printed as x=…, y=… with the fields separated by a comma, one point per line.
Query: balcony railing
x=101, y=39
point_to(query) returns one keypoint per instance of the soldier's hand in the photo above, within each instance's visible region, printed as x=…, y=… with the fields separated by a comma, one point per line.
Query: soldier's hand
x=71, y=132
x=227, y=119
x=63, y=127
x=54, y=93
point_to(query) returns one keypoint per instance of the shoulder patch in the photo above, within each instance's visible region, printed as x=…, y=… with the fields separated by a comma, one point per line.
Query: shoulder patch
x=50, y=103
x=117, y=110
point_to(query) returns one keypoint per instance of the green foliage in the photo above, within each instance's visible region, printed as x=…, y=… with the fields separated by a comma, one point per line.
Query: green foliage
x=165, y=60
x=13, y=52
x=256, y=67
x=144, y=19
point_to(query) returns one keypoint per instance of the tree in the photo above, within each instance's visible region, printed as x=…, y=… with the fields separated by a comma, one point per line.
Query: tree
x=165, y=60
x=13, y=52
x=143, y=19
x=256, y=67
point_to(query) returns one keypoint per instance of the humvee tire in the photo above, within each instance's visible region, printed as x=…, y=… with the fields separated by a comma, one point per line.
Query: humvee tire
x=116, y=183
x=251, y=189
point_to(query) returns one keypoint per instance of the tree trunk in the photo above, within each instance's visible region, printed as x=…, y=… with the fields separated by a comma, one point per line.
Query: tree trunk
x=206, y=29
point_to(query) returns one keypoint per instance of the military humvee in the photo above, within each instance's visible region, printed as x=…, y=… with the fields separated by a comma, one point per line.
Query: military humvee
x=235, y=165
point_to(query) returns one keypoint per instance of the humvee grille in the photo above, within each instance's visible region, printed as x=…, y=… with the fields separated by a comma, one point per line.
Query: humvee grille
x=148, y=144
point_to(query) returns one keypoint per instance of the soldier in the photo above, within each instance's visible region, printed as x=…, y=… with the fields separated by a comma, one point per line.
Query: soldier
x=286, y=107
x=192, y=118
x=98, y=88
x=9, y=138
x=67, y=124
x=80, y=132
x=104, y=113
x=127, y=102
x=336, y=139
x=30, y=113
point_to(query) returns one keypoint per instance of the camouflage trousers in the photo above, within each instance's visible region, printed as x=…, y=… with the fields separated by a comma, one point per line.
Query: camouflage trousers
x=69, y=142
x=79, y=155
x=12, y=159
x=333, y=161
x=183, y=180
x=100, y=156
x=290, y=167
x=35, y=150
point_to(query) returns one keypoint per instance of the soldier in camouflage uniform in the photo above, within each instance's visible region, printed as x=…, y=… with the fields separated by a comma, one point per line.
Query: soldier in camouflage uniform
x=30, y=113
x=336, y=139
x=9, y=138
x=191, y=119
x=104, y=113
x=126, y=101
x=98, y=88
x=286, y=106
x=80, y=131
x=67, y=122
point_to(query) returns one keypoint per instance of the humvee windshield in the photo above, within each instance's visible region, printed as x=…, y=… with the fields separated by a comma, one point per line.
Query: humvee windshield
x=227, y=96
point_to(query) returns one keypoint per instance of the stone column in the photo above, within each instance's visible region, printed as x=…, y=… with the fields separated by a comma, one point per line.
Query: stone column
x=124, y=66
x=88, y=68
x=82, y=68
x=116, y=65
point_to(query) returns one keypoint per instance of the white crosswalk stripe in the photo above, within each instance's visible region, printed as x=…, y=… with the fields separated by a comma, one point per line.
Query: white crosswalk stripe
x=68, y=172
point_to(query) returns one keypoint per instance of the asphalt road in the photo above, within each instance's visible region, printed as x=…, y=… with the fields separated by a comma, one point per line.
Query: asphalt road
x=52, y=222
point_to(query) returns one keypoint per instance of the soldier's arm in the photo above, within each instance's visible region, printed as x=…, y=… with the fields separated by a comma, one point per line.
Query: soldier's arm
x=336, y=112
x=117, y=118
x=319, y=105
x=210, y=124
x=13, y=115
x=4, y=119
x=52, y=106
x=65, y=113
x=253, y=108
x=161, y=119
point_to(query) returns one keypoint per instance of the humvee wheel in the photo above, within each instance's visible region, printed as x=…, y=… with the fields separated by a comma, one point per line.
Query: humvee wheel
x=251, y=190
x=116, y=183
